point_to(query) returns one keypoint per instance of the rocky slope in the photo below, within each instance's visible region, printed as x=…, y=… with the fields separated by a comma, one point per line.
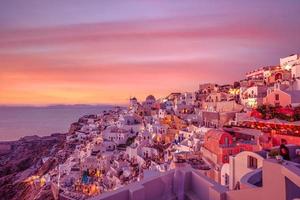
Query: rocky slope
x=26, y=157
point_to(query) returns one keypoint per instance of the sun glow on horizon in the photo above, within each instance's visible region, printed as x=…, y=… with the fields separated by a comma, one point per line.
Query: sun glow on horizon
x=50, y=57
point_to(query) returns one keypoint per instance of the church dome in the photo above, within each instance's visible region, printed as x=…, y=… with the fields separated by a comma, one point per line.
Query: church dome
x=150, y=98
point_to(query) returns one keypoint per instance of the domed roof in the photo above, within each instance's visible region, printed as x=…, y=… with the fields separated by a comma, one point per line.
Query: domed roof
x=133, y=99
x=150, y=98
x=215, y=134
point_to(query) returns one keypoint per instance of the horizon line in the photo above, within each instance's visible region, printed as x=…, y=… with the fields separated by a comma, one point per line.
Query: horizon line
x=61, y=104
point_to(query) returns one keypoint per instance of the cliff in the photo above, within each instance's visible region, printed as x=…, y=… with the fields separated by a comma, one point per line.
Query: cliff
x=32, y=155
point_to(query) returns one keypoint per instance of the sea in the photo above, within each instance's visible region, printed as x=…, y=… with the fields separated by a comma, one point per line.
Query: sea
x=17, y=122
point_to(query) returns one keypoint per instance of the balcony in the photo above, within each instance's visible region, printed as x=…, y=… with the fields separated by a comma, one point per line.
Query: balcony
x=252, y=179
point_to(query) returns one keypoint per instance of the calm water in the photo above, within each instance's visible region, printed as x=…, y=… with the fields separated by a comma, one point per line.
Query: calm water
x=16, y=122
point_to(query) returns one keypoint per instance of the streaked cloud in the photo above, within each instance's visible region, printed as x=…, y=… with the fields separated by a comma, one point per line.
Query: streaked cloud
x=109, y=57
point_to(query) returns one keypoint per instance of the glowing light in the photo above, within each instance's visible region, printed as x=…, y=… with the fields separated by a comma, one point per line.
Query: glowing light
x=234, y=91
x=287, y=67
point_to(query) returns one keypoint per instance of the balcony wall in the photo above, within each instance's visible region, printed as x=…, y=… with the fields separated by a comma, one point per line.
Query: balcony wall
x=280, y=181
x=252, y=179
x=183, y=183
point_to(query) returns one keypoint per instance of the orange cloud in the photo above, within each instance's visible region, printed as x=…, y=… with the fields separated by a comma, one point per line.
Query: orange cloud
x=109, y=62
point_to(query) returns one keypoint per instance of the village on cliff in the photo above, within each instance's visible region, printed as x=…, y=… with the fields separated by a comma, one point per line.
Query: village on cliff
x=224, y=136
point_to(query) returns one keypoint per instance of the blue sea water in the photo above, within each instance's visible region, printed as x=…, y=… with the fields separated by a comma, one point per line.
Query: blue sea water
x=17, y=122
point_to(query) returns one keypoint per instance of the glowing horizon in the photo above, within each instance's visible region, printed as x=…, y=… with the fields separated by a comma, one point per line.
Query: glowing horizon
x=103, y=53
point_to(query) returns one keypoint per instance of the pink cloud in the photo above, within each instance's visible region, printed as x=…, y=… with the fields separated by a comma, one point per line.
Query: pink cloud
x=105, y=62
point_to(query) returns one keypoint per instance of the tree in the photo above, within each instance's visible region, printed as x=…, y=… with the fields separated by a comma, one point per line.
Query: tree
x=236, y=84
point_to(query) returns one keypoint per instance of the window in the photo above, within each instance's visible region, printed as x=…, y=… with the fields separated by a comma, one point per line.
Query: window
x=226, y=179
x=252, y=162
x=277, y=97
x=226, y=141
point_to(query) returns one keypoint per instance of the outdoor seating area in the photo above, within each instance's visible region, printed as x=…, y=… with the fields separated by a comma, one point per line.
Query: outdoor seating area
x=274, y=126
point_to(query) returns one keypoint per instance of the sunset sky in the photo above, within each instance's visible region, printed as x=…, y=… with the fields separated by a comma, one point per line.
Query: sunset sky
x=92, y=51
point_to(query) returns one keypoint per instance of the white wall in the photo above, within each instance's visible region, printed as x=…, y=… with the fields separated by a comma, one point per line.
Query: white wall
x=238, y=166
x=225, y=171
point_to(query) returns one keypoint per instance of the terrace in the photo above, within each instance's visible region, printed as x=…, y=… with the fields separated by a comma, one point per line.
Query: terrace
x=186, y=183
x=175, y=184
x=259, y=184
x=275, y=126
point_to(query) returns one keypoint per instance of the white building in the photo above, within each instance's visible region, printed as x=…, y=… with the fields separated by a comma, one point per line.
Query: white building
x=187, y=98
x=240, y=165
x=109, y=146
x=131, y=123
x=157, y=128
x=132, y=152
x=81, y=135
x=162, y=113
x=133, y=103
x=169, y=105
x=146, y=135
x=116, y=135
x=253, y=96
x=288, y=62
x=91, y=162
x=148, y=152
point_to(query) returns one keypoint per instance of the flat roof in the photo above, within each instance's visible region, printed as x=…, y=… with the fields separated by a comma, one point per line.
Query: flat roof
x=247, y=131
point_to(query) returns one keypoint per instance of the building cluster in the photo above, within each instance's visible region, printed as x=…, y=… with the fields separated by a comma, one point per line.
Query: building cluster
x=223, y=132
